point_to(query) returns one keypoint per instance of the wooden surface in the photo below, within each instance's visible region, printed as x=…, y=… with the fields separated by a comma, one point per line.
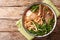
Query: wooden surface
x=11, y=11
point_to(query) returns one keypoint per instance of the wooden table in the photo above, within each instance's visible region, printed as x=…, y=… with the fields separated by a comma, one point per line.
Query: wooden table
x=11, y=11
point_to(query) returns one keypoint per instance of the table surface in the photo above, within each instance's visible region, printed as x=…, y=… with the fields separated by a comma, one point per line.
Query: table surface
x=11, y=11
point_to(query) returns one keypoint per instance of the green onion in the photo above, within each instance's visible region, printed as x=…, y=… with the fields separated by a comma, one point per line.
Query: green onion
x=34, y=8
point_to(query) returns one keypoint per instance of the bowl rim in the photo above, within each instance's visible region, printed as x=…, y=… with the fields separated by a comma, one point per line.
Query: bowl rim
x=55, y=17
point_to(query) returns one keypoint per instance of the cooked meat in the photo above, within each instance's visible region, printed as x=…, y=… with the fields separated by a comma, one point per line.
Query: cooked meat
x=49, y=16
x=33, y=16
x=39, y=14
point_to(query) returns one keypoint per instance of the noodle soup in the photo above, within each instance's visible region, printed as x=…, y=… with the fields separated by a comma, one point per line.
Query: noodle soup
x=39, y=19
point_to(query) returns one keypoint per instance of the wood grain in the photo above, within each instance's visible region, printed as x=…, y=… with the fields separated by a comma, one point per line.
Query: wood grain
x=8, y=25
x=9, y=2
x=11, y=11
x=15, y=2
x=11, y=36
x=8, y=11
x=23, y=2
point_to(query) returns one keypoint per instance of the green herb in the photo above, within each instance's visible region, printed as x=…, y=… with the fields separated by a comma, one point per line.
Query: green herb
x=34, y=8
x=32, y=31
x=49, y=21
x=52, y=22
x=49, y=28
x=42, y=29
x=36, y=24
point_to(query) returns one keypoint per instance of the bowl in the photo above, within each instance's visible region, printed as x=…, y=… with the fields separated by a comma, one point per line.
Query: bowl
x=55, y=17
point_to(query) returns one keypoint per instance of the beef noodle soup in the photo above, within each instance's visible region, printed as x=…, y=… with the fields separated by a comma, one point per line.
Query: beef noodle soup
x=39, y=19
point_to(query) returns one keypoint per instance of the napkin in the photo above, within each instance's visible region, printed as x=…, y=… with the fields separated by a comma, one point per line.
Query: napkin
x=52, y=5
x=23, y=31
